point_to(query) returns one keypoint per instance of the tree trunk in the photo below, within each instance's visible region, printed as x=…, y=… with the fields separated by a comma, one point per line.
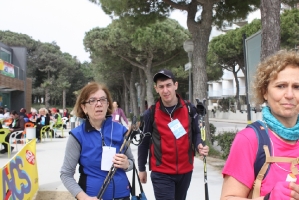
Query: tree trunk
x=133, y=96
x=270, y=17
x=237, y=98
x=63, y=98
x=149, y=86
x=142, y=90
x=47, y=97
x=126, y=98
x=200, y=32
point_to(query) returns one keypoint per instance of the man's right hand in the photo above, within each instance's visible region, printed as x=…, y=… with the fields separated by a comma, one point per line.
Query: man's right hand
x=143, y=177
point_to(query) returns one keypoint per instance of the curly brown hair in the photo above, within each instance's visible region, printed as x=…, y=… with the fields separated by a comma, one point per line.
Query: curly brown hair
x=85, y=92
x=268, y=70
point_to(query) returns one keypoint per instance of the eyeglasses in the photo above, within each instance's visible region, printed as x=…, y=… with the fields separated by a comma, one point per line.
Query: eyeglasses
x=94, y=101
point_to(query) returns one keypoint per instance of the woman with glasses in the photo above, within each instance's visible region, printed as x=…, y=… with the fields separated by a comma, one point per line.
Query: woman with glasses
x=94, y=145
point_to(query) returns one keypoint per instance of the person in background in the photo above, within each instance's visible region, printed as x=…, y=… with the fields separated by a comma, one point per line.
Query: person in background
x=7, y=120
x=6, y=113
x=43, y=119
x=33, y=115
x=56, y=117
x=276, y=84
x=118, y=114
x=95, y=158
x=2, y=114
x=24, y=114
x=18, y=124
x=66, y=115
x=171, y=152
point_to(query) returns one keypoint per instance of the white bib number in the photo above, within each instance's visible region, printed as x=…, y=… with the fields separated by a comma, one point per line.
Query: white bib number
x=176, y=128
x=107, y=157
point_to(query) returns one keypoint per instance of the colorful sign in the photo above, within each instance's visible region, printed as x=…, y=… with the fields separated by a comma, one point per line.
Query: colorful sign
x=7, y=69
x=19, y=177
x=1, y=64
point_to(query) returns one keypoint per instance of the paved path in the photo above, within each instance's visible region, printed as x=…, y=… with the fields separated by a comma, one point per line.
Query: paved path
x=50, y=156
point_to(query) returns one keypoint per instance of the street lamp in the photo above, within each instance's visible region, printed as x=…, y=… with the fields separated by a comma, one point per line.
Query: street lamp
x=188, y=47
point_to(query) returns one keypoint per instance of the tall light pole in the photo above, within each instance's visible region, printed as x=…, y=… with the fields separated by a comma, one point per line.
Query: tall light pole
x=188, y=47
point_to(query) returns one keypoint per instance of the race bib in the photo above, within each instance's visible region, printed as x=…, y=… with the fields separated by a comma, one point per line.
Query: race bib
x=107, y=157
x=176, y=128
x=116, y=117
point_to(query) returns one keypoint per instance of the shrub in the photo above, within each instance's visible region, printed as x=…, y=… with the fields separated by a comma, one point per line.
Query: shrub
x=225, y=140
x=212, y=132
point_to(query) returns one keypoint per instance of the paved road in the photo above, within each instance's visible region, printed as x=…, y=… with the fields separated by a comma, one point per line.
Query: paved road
x=50, y=157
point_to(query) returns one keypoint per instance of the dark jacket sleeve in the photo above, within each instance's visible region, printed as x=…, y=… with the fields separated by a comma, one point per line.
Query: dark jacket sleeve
x=143, y=148
x=20, y=125
x=47, y=119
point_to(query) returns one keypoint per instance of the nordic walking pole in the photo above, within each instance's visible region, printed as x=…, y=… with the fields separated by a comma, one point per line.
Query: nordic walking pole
x=201, y=110
x=124, y=146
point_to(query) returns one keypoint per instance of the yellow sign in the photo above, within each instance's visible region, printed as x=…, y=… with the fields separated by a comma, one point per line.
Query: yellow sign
x=1, y=65
x=19, y=177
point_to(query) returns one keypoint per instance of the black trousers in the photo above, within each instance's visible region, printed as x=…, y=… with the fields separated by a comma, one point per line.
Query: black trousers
x=170, y=186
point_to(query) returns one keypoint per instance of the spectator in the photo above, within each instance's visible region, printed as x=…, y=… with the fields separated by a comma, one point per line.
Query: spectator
x=33, y=115
x=18, y=124
x=56, y=117
x=43, y=119
x=66, y=116
x=6, y=113
x=2, y=114
x=118, y=115
x=24, y=114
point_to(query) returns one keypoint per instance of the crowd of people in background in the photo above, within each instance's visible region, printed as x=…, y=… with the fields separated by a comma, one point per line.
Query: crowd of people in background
x=16, y=121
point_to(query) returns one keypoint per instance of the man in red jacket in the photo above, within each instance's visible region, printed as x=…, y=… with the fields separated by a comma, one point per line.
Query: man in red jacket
x=171, y=147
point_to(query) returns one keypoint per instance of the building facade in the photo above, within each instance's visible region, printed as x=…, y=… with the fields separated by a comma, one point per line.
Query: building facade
x=15, y=87
x=226, y=87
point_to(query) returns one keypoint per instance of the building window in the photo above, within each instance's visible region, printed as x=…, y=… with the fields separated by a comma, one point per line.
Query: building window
x=5, y=55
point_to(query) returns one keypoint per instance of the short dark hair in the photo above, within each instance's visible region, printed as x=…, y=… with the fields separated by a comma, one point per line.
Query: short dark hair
x=13, y=112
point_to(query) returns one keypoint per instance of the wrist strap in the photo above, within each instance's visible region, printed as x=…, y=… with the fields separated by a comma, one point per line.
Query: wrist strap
x=267, y=197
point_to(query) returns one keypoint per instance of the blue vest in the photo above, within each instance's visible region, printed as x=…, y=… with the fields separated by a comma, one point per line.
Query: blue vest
x=91, y=175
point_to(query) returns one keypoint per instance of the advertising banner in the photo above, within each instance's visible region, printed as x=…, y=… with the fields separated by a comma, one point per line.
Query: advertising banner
x=19, y=177
x=7, y=69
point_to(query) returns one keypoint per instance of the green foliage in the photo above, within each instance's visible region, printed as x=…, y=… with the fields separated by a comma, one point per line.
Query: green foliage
x=212, y=151
x=225, y=140
x=135, y=11
x=141, y=12
x=150, y=48
x=50, y=68
x=290, y=28
x=226, y=104
x=212, y=132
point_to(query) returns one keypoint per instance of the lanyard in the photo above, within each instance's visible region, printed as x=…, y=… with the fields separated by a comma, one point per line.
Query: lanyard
x=171, y=112
x=103, y=141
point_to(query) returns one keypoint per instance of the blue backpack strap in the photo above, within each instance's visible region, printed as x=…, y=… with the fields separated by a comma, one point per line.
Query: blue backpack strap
x=263, y=138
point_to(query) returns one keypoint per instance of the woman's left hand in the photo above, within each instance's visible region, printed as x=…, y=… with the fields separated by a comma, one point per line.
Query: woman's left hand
x=121, y=161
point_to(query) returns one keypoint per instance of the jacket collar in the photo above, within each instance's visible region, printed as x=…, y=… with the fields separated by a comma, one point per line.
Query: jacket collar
x=89, y=127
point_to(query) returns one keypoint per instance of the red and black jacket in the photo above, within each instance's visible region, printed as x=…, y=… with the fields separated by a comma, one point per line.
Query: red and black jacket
x=167, y=154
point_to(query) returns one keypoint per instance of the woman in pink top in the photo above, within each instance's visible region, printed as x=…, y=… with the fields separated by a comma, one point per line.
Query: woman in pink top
x=277, y=85
x=118, y=114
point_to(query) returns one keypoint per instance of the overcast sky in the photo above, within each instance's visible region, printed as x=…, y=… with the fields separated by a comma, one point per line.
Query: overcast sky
x=62, y=21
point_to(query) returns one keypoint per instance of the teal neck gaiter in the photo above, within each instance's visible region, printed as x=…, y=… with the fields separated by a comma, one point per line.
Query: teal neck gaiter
x=285, y=133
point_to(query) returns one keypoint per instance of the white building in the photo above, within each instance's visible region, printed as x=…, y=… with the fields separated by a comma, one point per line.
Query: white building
x=225, y=87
